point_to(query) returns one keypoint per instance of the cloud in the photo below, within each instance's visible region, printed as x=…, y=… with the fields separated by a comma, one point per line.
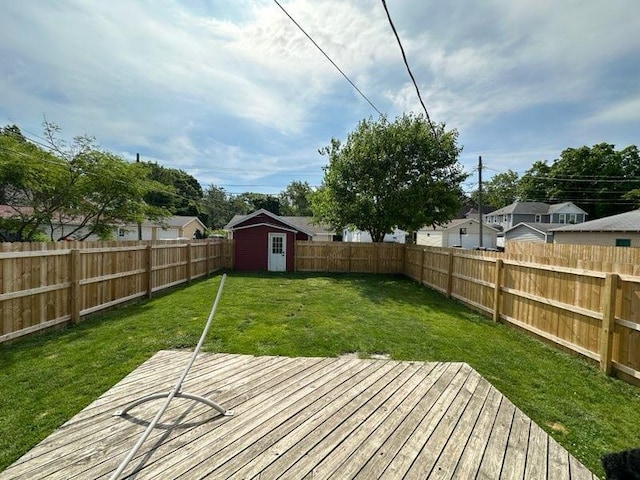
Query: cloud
x=234, y=91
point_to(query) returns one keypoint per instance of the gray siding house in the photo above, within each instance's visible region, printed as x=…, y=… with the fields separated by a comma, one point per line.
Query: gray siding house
x=531, y=232
x=534, y=213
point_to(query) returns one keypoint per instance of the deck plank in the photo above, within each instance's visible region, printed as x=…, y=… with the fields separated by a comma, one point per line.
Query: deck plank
x=306, y=418
x=363, y=443
x=404, y=446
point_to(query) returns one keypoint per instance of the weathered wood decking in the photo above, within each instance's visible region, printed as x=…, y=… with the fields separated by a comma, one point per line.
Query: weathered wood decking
x=307, y=418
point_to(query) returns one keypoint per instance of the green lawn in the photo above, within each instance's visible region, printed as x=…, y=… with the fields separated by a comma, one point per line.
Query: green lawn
x=47, y=379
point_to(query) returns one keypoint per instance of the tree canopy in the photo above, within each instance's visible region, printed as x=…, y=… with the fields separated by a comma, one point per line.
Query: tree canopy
x=500, y=191
x=71, y=191
x=388, y=175
x=295, y=200
x=184, y=195
x=599, y=179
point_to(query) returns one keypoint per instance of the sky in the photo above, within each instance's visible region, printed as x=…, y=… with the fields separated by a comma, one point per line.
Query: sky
x=233, y=93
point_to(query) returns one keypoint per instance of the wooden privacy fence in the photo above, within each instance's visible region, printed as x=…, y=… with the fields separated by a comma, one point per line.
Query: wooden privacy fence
x=594, y=313
x=349, y=257
x=586, y=300
x=44, y=285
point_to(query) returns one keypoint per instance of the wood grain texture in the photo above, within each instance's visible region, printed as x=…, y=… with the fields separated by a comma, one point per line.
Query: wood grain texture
x=303, y=418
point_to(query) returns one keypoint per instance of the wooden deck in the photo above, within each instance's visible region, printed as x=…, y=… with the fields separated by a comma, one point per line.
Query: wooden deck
x=307, y=418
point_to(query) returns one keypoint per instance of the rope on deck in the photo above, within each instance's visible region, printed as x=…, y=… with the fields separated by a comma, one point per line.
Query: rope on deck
x=176, y=391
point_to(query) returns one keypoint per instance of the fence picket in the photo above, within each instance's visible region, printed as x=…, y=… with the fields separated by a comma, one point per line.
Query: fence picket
x=565, y=294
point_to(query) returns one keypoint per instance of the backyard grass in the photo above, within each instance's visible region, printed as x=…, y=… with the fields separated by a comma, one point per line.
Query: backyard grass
x=45, y=380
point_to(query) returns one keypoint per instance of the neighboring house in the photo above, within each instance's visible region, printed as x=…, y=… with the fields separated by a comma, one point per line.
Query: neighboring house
x=266, y=241
x=460, y=232
x=320, y=233
x=171, y=228
x=622, y=230
x=534, y=212
x=531, y=232
x=397, y=236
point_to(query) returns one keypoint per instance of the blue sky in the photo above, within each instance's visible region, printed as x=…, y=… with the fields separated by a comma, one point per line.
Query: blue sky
x=234, y=94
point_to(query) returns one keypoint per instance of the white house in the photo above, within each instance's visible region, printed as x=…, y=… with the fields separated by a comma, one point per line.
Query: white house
x=460, y=232
x=397, y=236
x=622, y=230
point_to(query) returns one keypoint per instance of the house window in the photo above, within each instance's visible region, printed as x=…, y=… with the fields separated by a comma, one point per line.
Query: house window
x=121, y=232
x=573, y=218
x=562, y=218
x=277, y=245
x=538, y=218
x=623, y=242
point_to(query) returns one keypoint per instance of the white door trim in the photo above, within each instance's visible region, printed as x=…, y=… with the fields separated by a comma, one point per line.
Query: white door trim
x=277, y=252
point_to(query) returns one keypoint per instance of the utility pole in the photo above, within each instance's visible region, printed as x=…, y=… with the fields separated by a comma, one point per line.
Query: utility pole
x=139, y=224
x=480, y=196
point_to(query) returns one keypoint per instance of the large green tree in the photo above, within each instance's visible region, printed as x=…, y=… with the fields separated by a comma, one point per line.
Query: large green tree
x=249, y=202
x=184, y=195
x=296, y=199
x=70, y=190
x=217, y=207
x=391, y=174
x=501, y=190
x=599, y=179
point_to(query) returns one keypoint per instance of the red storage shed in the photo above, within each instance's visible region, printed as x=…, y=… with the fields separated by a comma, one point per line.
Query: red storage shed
x=265, y=241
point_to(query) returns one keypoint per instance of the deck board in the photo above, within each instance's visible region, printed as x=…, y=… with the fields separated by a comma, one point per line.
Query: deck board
x=303, y=418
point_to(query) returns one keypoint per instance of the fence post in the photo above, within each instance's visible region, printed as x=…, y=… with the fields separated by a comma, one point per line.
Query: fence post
x=326, y=257
x=422, y=255
x=376, y=256
x=188, y=263
x=75, y=286
x=208, y=253
x=149, y=270
x=496, y=290
x=349, y=255
x=450, y=275
x=608, y=308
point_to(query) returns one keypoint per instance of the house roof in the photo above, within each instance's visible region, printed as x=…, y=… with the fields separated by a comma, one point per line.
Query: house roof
x=543, y=228
x=175, y=221
x=296, y=223
x=557, y=207
x=622, y=222
x=308, y=224
x=8, y=211
x=523, y=207
x=535, y=208
x=455, y=223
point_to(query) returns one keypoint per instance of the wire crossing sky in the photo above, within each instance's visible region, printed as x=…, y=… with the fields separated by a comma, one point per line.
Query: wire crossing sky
x=233, y=94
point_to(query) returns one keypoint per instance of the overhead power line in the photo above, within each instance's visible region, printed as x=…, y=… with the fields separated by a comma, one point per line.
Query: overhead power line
x=406, y=63
x=329, y=58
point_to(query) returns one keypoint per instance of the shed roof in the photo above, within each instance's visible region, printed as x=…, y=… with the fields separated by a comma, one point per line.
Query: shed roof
x=302, y=224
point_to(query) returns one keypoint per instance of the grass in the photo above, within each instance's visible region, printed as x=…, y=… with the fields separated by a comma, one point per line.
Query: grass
x=45, y=380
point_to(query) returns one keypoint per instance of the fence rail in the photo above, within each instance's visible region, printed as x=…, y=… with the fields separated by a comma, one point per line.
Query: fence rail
x=586, y=300
x=44, y=285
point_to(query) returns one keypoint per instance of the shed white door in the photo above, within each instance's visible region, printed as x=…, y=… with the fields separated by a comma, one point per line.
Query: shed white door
x=277, y=252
